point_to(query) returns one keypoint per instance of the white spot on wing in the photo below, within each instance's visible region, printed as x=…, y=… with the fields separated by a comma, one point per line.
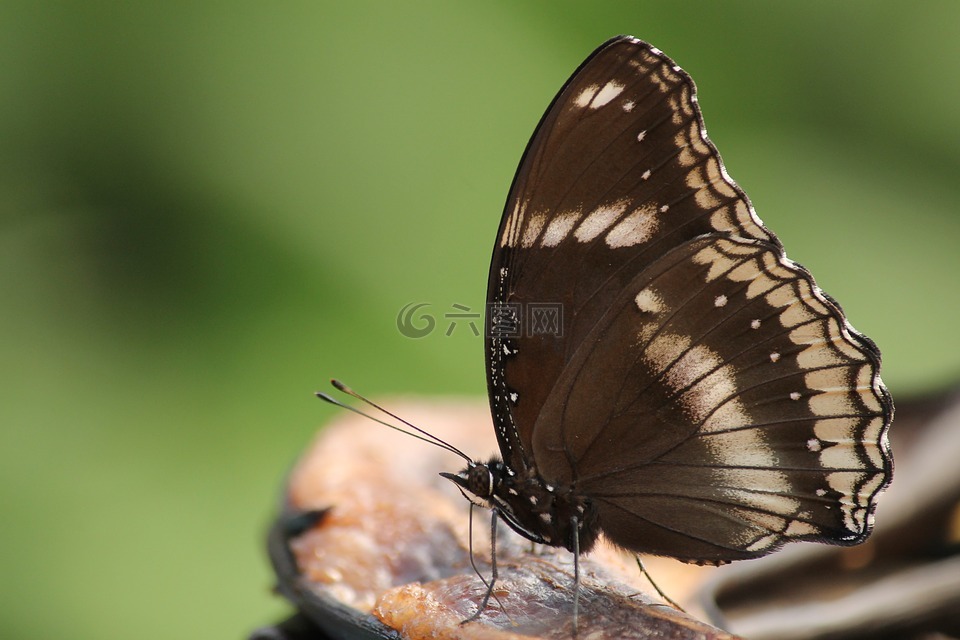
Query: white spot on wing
x=599, y=219
x=649, y=301
x=830, y=403
x=532, y=231
x=799, y=528
x=610, y=91
x=508, y=239
x=845, y=482
x=596, y=97
x=559, y=228
x=706, y=388
x=585, y=96
x=636, y=228
x=720, y=301
x=763, y=543
x=828, y=379
x=761, y=500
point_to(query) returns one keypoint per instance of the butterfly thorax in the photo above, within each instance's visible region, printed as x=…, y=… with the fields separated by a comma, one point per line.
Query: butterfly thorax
x=537, y=510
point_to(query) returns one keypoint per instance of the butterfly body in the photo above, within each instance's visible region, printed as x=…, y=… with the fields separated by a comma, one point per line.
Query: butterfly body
x=537, y=510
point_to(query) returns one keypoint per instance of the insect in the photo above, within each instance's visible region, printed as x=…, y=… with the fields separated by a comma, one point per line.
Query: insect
x=659, y=371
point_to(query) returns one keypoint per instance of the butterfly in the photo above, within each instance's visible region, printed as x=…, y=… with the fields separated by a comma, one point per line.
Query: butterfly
x=659, y=371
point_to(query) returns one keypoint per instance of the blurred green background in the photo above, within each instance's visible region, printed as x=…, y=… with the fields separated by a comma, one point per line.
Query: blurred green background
x=209, y=208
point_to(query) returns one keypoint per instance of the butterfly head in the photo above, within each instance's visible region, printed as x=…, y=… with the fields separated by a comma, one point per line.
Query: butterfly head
x=478, y=482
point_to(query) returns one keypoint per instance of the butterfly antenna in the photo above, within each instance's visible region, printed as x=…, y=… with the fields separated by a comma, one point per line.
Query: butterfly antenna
x=424, y=435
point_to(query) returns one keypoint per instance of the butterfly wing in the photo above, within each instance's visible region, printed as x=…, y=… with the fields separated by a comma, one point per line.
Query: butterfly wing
x=617, y=173
x=722, y=407
x=618, y=187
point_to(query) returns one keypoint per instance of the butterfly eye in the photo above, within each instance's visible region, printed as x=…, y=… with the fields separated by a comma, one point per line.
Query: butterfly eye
x=480, y=481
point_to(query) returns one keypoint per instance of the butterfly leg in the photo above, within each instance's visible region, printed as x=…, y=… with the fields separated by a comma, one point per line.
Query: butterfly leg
x=659, y=591
x=574, y=523
x=493, y=564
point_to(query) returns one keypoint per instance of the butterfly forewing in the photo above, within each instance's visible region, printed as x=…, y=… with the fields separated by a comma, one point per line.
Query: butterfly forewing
x=618, y=172
x=696, y=383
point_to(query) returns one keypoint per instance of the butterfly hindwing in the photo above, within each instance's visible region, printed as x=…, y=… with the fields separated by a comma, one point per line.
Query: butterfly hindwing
x=720, y=408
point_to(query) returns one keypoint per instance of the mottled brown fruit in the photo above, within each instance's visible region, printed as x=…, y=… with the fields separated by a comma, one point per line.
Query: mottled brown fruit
x=393, y=545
